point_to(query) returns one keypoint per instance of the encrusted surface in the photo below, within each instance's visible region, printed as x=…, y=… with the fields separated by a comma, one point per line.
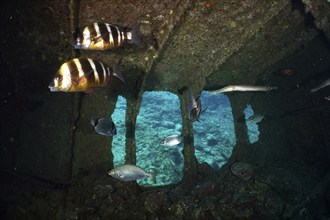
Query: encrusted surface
x=61, y=168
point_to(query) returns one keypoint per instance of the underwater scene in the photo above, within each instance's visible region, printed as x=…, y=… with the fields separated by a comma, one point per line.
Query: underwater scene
x=214, y=139
x=182, y=109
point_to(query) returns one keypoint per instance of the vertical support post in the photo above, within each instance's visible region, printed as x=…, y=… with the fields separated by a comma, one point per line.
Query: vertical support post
x=190, y=161
x=242, y=140
x=132, y=110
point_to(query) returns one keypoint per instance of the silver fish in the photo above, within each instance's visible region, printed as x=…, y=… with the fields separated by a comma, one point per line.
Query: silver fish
x=104, y=126
x=256, y=118
x=194, y=107
x=321, y=86
x=171, y=140
x=129, y=172
x=243, y=88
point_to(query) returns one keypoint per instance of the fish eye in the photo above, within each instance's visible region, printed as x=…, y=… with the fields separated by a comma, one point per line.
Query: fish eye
x=59, y=78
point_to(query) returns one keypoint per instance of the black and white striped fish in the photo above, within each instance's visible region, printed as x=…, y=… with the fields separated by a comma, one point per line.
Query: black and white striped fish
x=104, y=36
x=82, y=75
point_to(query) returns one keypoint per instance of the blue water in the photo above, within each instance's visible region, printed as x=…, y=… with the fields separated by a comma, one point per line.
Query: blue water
x=119, y=140
x=159, y=117
x=214, y=136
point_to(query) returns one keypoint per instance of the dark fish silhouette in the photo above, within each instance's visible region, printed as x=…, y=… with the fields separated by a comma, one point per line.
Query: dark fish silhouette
x=104, y=126
x=242, y=170
x=194, y=107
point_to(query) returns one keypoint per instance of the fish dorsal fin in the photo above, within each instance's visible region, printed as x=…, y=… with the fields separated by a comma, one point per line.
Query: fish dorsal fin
x=117, y=71
x=94, y=121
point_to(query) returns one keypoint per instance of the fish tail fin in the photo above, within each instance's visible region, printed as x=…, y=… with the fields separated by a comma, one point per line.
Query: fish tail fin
x=117, y=71
x=272, y=88
x=77, y=46
x=78, y=40
x=135, y=35
x=153, y=177
x=93, y=121
x=268, y=117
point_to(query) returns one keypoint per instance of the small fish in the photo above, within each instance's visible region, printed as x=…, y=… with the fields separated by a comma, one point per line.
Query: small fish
x=242, y=170
x=104, y=36
x=171, y=140
x=104, y=126
x=256, y=118
x=243, y=88
x=321, y=86
x=82, y=75
x=129, y=172
x=194, y=107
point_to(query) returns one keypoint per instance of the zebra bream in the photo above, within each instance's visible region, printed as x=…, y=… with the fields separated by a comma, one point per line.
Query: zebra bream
x=104, y=36
x=82, y=75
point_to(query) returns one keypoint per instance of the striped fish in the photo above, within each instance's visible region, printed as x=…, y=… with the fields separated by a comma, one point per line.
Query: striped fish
x=82, y=75
x=103, y=36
